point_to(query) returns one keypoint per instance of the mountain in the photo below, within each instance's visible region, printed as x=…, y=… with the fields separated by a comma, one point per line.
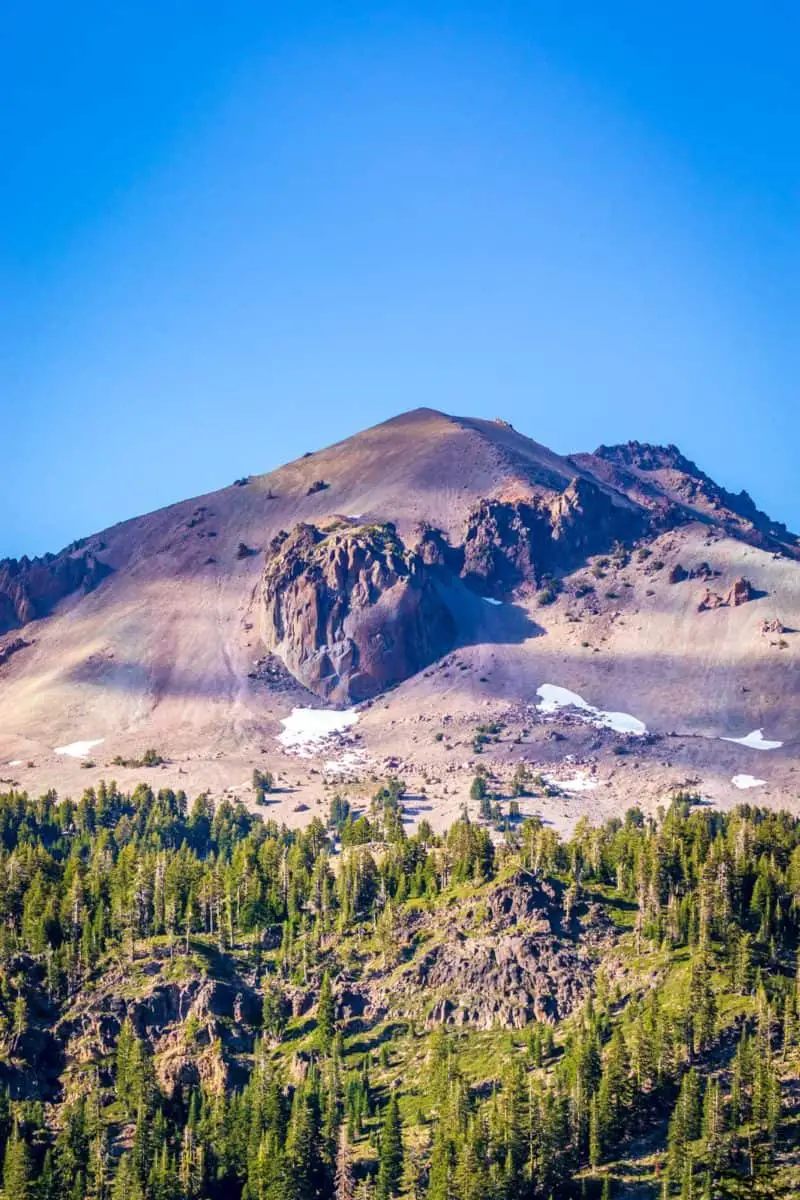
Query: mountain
x=437, y=572
x=297, y=898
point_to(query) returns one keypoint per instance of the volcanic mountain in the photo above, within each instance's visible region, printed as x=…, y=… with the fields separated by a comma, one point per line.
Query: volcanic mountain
x=480, y=599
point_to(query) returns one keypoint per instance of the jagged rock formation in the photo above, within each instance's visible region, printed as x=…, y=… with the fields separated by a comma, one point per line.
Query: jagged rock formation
x=30, y=588
x=651, y=472
x=196, y=1028
x=508, y=543
x=351, y=611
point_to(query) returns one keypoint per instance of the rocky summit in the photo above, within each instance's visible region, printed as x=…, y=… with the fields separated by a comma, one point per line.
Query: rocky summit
x=432, y=574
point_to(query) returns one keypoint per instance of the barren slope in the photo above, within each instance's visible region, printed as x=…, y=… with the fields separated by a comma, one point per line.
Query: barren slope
x=163, y=652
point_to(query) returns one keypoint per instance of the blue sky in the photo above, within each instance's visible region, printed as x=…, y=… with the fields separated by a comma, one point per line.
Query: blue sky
x=229, y=234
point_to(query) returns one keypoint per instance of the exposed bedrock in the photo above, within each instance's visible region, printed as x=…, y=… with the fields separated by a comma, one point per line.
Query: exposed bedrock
x=510, y=543
x=352, y=611
x=31, y=588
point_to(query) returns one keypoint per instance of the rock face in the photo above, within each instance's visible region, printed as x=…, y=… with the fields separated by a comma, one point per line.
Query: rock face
x=30, y=588
x=351, y=611
x=517, y=957
x=509, y=543
x=222, y=1018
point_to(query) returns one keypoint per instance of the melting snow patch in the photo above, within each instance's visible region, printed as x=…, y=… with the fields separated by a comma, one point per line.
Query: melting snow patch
x=747, y=781
x=491, y=600
x=578, y=783
x=307, y=729
x=755, y=740
x=553, y=698
x=79, y=749
x=349, y=762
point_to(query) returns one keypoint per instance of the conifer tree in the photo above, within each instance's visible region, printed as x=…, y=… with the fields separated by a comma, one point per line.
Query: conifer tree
x=18, y=1169
x=390, y=1163
x=326, y=1015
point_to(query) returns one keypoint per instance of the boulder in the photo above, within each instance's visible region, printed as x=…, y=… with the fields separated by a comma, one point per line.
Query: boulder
x=741, y=591
x=710, y=600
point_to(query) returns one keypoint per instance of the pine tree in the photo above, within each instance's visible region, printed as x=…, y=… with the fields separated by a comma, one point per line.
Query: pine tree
x=684, y=1125
x=713, y=1124
x=126, y=1183
x=18, y=1169
x=326, y=1015
x=390, y=1163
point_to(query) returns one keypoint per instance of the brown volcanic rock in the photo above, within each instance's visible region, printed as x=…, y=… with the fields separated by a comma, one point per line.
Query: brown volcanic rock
x=741, y=591
x=352, y=611
x=710, y=600
x=652, y=474
x=508, y=543
x=31, y=588
x=12, y=647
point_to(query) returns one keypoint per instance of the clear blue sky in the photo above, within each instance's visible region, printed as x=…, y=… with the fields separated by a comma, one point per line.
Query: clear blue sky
x=231, y=233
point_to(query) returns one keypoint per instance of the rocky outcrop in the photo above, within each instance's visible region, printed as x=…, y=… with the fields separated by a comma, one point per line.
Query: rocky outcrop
x=510, y=543
x=506, y=981
x=741, y=592
x=12, y=647
x=710, y=600
x=352, y=611
x=31, y=588
x=505, y=544
x=737, y=511
x=197, y=1029
x=517, y=955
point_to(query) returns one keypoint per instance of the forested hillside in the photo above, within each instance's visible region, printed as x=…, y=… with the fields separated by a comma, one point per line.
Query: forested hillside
x=196, y=1002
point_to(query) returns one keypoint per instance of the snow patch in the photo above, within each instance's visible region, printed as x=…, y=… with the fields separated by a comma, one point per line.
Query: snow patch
x=578, y=783
x=307, y=729
x=755, y=741
x=553, y=698
x=747, y=781
x=79, y=749
x=348, y=763
x=15, y=762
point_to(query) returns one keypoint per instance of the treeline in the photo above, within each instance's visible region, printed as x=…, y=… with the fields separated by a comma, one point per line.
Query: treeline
x=698, y=1056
